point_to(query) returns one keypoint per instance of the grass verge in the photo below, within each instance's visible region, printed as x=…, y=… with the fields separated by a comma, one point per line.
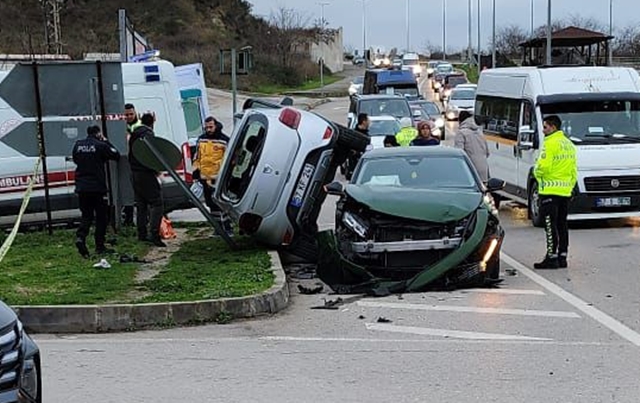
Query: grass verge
x=201, y=270
x=47, y=270
x=471, y=72
x=273, y=89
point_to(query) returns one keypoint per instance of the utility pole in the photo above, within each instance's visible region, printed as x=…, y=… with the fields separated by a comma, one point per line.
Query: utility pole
x=469, y=34
x=407, y=27
x=444, y=30
x=364, y=28
x=549, y=61
x=532, y=11
x=479, y=41
x=51, y=9
x=322, y=25
x=493, y=40
x=610, y=33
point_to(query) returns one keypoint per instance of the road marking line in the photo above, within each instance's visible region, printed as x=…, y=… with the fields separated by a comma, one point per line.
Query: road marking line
x=614, y=325
x=503, y=291
x=470, y=309
x=458, y=334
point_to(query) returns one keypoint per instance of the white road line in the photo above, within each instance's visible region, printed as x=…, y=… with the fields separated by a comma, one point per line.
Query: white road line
x=502, y=291
x=470, y=309
x=458, y=334
x=614, y=325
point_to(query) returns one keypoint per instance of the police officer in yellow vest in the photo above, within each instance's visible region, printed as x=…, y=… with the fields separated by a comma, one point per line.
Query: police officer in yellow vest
x=407, y=133
x=206, y=165
x=556, y=173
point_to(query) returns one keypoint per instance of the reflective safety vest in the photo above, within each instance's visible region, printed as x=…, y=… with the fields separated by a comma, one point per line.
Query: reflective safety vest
x=209, y=157
x=406, y=136
x=557, y=167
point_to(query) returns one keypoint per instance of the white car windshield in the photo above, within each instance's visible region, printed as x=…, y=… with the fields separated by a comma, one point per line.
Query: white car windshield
x=602, y=122
x=396, y=107
x=383, y=128
x=445, y=69
x=464, y=95
x=417, y=172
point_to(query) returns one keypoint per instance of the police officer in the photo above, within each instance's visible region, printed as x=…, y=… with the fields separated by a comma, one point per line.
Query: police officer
x=210, y=151
x=90, y=156
x=407, y=133
x=556, y=173
x=146, y=188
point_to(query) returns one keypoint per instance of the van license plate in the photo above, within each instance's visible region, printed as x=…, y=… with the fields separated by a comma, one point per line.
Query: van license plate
x=307, y=173
x=613, y=201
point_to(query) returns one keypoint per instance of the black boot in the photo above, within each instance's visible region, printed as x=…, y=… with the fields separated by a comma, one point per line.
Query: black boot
x=103, y=250
x=549, y=262
x=82, y=248
x=562, y=261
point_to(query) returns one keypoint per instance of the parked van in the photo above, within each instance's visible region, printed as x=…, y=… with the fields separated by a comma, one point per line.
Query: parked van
x=391, y=82
x=600, y=112
x=150, y=86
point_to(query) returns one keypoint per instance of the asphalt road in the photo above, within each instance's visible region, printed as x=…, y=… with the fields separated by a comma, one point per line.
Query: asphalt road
x=569, y=335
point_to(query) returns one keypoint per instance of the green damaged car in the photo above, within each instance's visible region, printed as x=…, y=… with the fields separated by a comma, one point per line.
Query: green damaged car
x=412, y=219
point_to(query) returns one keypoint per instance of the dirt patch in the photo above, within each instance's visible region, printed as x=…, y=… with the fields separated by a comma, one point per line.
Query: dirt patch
x=157, y=258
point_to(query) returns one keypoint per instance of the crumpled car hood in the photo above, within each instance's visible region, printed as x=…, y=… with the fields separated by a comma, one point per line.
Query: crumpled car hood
x=420, y=204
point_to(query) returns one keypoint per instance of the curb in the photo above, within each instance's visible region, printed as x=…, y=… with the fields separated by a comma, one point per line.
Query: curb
x=129, y=317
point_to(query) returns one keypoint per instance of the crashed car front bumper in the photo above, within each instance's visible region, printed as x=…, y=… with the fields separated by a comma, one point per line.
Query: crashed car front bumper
x=405, y=246
x=464, y=265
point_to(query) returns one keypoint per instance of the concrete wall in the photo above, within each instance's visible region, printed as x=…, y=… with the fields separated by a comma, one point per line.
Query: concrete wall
x=333, y=52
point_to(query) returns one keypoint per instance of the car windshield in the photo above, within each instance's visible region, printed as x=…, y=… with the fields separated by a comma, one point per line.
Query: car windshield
x=445, y=68
x=430, y=108
x=409, y=91
x=602, y=122
x=396, y=107
x=383, y=127
x=464, y=95
x=358, y=80
x=456, y=80
x=417, y=172
x=410, y=62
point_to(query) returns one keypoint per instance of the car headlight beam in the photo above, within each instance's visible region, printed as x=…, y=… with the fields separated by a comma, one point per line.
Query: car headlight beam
x=439, y=122
x=355, y=224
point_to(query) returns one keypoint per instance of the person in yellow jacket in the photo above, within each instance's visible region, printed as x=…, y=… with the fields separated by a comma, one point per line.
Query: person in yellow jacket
x=407, y=132
x=210, y=151
x=556, y=173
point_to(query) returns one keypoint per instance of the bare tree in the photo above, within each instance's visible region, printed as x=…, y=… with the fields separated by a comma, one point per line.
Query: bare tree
x=589, y=23
x=627, y=42
x=289, y=34
x=509, y=38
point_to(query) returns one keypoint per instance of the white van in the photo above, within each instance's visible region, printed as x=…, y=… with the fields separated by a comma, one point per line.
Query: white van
x=600, y=112
x=150, y=86
x=411, y=61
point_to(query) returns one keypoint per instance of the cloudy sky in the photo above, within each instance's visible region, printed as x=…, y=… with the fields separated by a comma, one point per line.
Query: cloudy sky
x=386, y=19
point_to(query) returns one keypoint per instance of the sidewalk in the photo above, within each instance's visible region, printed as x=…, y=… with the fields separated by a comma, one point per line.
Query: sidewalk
x=339, y=88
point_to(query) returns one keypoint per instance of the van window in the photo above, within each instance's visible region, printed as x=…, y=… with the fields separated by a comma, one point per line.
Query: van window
x=603, y=122
x=498, y=116
x=244, y=159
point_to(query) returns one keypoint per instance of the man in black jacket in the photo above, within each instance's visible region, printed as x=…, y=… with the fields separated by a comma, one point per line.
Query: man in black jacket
x=90, y=156
x=146, y=188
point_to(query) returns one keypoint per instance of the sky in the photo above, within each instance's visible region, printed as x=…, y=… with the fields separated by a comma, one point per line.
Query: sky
x=386, y=19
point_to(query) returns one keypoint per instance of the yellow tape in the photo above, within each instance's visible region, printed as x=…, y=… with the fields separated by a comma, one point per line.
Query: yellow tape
x=25, y=202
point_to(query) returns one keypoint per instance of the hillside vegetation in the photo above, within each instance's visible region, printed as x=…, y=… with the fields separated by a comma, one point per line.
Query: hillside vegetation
x=185, y=31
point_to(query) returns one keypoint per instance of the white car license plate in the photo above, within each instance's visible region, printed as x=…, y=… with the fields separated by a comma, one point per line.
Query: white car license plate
x=307, y=173
x=613, y=201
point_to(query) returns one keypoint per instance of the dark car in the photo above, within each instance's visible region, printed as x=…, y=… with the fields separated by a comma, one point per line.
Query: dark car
x=410, y=219
x=450, y=82
x=20, y=379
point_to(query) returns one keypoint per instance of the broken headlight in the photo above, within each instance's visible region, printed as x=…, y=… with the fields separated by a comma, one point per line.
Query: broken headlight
x=355, y=224
x=490, y=204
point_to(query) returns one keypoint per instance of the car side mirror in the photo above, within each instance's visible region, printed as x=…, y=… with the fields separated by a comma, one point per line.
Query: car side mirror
x=495, y=184
x=334, y=188
x=525, y=145
x=527, y=138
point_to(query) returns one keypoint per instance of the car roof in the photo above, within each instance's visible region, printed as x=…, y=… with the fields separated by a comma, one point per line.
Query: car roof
x=379, y=96
x=440, y=151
